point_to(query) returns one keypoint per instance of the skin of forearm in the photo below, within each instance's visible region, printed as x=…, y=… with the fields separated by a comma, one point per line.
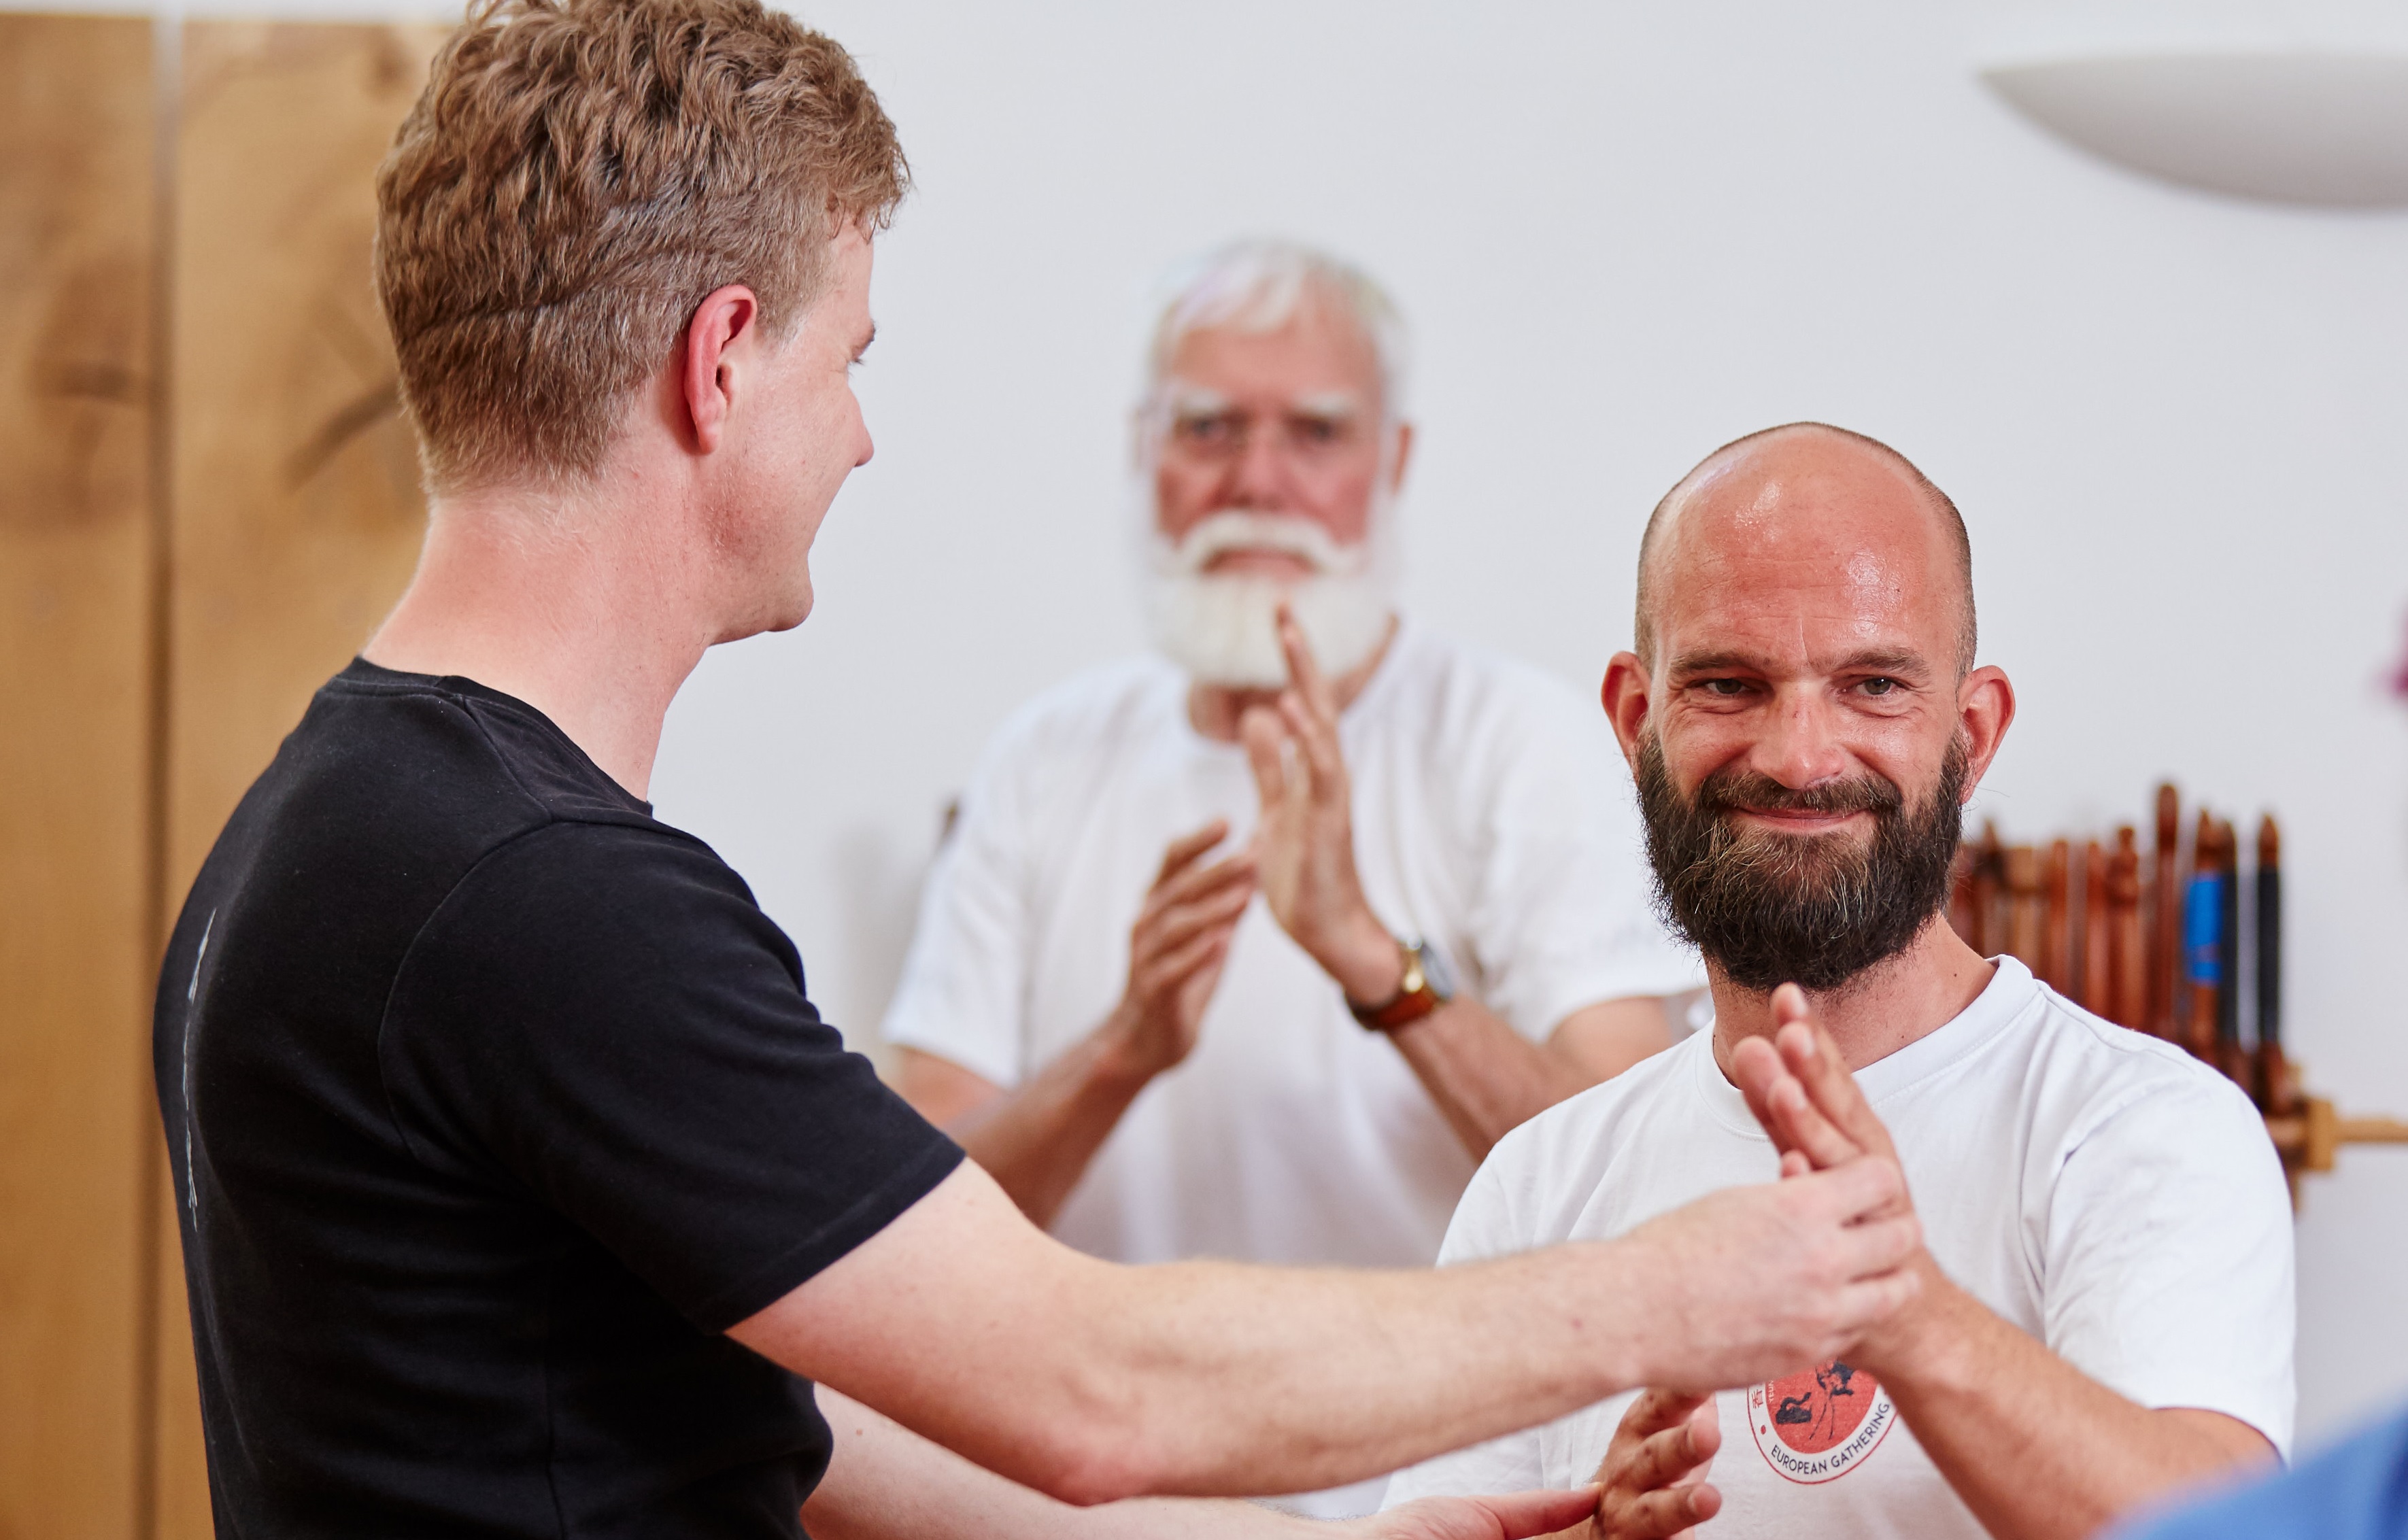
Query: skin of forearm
x=1486, y=1078
x=1037, y=1139
x=886, y=1482
x=2038, y=1449
x=1092, y=1382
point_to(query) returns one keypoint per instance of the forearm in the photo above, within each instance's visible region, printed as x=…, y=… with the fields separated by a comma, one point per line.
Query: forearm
x=1486, y=1078
x=886, y=1482
x=1091, y=1381
x=1037, y=1139
x=2038, y=1449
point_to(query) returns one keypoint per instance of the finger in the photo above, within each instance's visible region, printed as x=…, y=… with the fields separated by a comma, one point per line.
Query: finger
x=1659, y=1515
x=1756, y=1068
x=1809, y=1054
x=1782, y=1106
x=1662, y=1461
x=1655, y=1410
x=1186, y=848
x=1303, y=668
x=1174, y=927
x=1803, y=1127
x=1861, y=1189
x=1265, y=739
x=1172, y=968
x=1318, y=739
x=1877, y=1246
x=1869, y=1303
x=1520, y=1515
x=1202, y=883
x=1795, y=1163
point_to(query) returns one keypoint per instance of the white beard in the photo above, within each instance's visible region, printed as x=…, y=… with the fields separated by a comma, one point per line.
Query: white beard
x=1222, y=627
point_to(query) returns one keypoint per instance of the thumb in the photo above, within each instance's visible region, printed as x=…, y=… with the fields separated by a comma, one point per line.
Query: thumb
x=1531, y=1513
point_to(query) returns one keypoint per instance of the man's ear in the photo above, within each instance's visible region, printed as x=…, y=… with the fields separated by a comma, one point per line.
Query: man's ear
x=1624, y=695
x=1986, y=706
x=716, y=356
x=1404, y=458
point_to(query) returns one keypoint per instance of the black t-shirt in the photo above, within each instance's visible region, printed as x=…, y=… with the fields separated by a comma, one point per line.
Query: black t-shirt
x=492, y=1104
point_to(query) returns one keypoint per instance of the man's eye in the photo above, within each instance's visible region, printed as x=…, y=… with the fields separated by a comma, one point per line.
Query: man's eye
x=1725, y=687
x=1879, y=686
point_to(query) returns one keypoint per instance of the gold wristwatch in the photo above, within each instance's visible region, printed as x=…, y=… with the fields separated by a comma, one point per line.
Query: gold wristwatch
x=1427, y=986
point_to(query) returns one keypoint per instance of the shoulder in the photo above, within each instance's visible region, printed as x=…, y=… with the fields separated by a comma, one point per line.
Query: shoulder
x=1463, y=680
x=2108, y=1071
x=1089, y=712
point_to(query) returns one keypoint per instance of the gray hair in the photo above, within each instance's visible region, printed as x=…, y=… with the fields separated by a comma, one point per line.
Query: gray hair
x=1257, y=286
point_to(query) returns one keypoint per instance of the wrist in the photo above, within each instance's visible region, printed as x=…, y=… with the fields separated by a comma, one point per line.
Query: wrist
x=1365, y=959
x=1928, y=1342
x=1124, y=1058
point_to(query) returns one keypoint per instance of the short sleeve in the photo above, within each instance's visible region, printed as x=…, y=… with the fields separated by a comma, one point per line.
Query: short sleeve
x=966, y=977
x=2168, y=1254
x=1485, y=1227
x=599, y=1016
x=1564, y=915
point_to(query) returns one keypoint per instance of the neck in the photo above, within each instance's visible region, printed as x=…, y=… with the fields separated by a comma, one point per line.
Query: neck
x=1875, y=1014
x=1215, y=709
x=581, y=606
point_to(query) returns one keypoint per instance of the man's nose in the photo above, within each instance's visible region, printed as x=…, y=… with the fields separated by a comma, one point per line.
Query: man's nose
x=1800, y=745
x=1257, y=475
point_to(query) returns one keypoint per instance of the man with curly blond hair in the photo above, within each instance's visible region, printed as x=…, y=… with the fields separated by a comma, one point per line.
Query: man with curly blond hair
x=521, y=1185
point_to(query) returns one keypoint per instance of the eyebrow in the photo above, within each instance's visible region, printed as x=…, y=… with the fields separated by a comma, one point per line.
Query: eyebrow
x=1886, y=660
x=1330, y=404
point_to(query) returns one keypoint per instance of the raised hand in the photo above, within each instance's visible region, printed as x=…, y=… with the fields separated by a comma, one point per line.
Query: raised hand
x=1798, y=1085
x=1177, y=948
x=1753, y=1283
x=1517, y=1517
x=1654, y=1474
x=1305, y=843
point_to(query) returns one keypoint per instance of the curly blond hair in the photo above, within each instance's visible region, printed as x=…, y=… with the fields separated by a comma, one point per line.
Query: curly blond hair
x=576, y=178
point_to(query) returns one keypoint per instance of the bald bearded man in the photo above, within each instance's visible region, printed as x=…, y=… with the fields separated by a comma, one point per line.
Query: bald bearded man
x=2106, y=1309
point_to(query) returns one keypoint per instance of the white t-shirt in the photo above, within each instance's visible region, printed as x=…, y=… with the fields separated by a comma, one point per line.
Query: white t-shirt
x=2096, y=1186
x=1492, y=818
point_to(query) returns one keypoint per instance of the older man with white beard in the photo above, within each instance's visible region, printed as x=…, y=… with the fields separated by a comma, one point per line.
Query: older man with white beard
x=1253, y=949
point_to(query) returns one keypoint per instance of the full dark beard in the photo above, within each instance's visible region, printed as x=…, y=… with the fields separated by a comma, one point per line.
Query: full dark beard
x=1815, y=910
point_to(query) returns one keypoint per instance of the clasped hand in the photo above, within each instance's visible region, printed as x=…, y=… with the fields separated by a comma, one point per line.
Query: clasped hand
x=1654, y=1474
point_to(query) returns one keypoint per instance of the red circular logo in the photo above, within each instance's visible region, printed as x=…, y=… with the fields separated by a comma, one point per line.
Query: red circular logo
x=1815, y=1426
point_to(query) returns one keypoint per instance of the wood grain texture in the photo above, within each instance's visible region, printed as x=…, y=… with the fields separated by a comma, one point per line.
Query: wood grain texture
x=296, y=510
x=77, y=266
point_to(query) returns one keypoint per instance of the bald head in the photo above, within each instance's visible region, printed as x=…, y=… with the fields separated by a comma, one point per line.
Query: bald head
x=1808, y=501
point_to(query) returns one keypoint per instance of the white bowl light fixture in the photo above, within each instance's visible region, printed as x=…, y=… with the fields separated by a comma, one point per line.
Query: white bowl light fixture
x=2321, y=128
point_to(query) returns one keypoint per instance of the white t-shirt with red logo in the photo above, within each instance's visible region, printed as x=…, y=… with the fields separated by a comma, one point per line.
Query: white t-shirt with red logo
x=2097, y=1187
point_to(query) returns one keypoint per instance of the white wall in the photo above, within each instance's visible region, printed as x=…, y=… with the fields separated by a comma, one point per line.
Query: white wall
x=1626, y=233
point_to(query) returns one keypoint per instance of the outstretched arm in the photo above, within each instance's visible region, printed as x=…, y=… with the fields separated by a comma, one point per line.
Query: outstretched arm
x=1037, y=1139
x=1486, y=1078
x=2036, y=1449
x=1091, y=1381
x=887, y=1483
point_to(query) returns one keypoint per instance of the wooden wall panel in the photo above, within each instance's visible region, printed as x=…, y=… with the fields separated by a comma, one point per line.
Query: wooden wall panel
x=296, y=514
x=77, y=269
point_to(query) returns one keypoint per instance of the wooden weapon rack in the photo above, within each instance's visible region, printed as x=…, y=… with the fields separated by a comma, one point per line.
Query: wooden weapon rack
x=2159, y=941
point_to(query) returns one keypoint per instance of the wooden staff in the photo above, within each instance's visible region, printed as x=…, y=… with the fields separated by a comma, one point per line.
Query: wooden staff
x=2278, y=1091
x=2057, y=918
x=2128, y=946
x=2231, y=1055
x=2098, y=978
x=1989, y=878
x=2024, y=905
x=2166, y=922
x=2203, y=934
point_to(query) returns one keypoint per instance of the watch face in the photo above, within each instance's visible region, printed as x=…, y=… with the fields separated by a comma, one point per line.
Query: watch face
x=1434, y=970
